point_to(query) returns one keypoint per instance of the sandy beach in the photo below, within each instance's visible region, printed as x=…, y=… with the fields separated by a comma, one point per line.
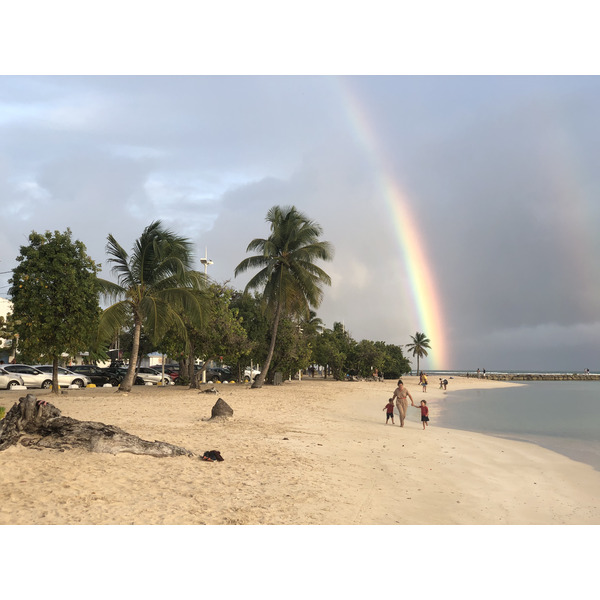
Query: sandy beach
x=308, y=452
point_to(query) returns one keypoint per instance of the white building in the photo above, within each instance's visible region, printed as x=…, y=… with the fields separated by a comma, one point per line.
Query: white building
x=5, y=308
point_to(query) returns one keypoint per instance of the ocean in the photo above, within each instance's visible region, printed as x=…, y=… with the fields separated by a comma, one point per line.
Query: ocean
x=563, y=416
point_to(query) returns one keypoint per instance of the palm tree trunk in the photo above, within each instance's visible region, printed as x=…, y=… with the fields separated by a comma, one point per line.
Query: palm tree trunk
x=260, y=380
x=127, y=383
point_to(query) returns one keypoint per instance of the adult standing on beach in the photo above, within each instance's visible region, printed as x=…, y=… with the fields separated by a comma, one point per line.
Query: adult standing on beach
x=401, y=393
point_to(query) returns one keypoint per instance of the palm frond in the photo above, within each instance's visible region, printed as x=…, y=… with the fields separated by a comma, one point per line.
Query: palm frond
x=109, y=290
x=112, y=319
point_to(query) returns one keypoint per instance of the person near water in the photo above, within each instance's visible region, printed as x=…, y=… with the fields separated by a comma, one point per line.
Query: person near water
x=401, y=394
x=389, y=407
x=424, y=413
x=424, y=381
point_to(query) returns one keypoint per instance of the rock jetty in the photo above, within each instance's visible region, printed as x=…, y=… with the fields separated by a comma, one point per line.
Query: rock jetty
x=541, y=377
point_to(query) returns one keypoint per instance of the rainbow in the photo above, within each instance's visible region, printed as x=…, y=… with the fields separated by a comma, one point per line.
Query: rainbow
x=424, y=295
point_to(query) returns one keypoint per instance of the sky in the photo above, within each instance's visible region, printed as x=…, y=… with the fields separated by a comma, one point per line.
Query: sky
x=463, y=207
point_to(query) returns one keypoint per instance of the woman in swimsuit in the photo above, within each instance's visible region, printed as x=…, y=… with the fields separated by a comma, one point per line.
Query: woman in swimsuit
x=400, y=393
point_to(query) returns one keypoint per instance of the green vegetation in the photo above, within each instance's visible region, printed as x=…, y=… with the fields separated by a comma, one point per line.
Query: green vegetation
x=161, y=304
x=419, y=346
x=55, y=299
x=156, y=286
x=291, y=282
x=221, y=335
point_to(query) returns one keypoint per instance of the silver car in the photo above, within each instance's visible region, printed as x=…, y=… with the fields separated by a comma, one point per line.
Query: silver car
x=9, y=380
x=32, y=377
x=154, y=376
x=66, y=377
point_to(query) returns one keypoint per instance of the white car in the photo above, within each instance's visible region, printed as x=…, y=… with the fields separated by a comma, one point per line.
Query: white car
x=66, y=377
x=154, y=376
x=9, y=380
x=32, y=377
x=250, y=374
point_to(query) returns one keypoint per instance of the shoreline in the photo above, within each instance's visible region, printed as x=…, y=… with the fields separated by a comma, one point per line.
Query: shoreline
x=308, y=452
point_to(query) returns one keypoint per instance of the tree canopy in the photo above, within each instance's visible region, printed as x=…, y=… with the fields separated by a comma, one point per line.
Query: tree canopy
x=156, y=286
x=419, y=346
x=290, y=281
x=55, y=298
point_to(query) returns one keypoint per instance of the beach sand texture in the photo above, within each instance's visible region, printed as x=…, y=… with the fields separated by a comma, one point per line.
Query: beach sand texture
x=307, y=452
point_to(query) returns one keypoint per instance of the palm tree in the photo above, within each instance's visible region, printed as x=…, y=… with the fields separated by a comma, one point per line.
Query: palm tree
x=313, y=325
x=290, y=280
x=156, y=287
x=420, y=345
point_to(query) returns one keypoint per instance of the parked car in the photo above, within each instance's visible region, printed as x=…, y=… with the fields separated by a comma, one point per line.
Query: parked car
x=9, y=380
x=66, y=377
x=154, y=376
x=218, y=374
x=120, y=372
x=32, y=377
x=97, y=375
x=145, y=375
x=173, y=371
x=250, y=374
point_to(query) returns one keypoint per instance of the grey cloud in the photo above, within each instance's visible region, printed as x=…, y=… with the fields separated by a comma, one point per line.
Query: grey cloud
x=500, y=173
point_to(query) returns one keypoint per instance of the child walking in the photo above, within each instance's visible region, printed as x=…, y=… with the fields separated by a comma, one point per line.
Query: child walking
x=389, y=407
x=424, y=413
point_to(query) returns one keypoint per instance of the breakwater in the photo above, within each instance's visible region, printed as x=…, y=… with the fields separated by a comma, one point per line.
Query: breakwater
x=540, y=377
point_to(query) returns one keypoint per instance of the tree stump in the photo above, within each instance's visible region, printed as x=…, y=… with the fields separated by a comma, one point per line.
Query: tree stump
x=221, y=409
x=39, y=424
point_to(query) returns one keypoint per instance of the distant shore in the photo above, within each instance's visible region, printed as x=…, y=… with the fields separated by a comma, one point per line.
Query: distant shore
x=305, y=452
x=540, y=377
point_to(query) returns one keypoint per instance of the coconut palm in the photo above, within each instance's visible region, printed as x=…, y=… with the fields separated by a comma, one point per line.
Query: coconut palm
x=156, y=287
x=420, y=345
x=291, y=283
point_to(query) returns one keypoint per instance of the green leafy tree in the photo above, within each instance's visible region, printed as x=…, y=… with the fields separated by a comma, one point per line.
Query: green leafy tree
x=55, y=298
x=395, y=364
x=156, y=287
x=221, y=335
x=293, y=353
x=333, y=350
x=290, y=280
x=252, y=316
x=419, y=346
x=367, y=356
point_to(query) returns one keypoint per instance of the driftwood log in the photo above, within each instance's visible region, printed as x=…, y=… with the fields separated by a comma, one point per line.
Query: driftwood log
x=39, y=424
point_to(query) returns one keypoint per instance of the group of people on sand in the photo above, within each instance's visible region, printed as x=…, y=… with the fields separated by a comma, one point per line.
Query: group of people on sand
x=401, y=394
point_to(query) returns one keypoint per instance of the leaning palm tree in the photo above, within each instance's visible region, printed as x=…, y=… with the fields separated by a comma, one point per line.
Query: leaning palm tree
x=156, y=288
x=420, y=345
x=288, y=276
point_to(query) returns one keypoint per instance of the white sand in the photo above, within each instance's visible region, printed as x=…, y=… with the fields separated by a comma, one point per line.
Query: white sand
x=309, y=452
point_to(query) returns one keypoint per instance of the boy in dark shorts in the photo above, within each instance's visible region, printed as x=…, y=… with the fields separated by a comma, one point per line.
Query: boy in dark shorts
x=424, y=413
x=389, y=407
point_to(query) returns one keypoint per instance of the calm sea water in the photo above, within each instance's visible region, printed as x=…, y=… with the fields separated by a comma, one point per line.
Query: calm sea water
x=563, y=416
